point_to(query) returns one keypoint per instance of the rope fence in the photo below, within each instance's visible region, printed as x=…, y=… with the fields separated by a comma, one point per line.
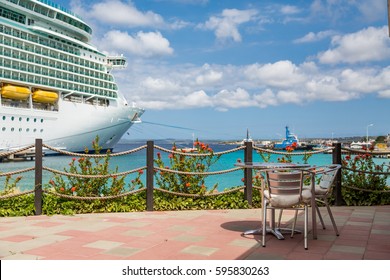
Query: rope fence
x=151, y=171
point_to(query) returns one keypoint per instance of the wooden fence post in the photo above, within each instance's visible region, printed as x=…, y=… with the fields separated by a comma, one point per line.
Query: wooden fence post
x=38, y=177
x=248, y=157
x=149, y=175
x=336, y=159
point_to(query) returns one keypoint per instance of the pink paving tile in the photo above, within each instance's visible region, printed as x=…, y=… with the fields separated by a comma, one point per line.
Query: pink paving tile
x=373, y=255
x=18, y=238
x=308, y=255
x=47, y=224
x=380, y=247
x=351, y=242
x=358, y=219
x=38, y=218
x=342, y=256
x=118, y=220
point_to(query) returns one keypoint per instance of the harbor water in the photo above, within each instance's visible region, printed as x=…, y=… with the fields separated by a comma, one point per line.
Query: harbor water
x=138, y=159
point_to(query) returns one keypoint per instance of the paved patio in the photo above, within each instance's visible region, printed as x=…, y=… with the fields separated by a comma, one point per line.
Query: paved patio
x=191, y=235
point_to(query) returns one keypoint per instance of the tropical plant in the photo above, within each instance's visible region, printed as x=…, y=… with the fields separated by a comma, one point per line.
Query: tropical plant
x=97, y=186
x=361, y=172
x=186, y=183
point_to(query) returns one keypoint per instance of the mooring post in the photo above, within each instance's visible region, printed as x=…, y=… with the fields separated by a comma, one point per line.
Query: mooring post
x=248, y=193
x=149, y=174
x=336, y=159
x=38, y=177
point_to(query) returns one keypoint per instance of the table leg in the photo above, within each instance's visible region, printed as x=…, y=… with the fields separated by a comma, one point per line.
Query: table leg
x=313, y=207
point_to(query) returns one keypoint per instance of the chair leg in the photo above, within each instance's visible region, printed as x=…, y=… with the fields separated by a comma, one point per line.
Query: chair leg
x=294, y=224
x=306, y=226
x=280, y=217
x=320, y=216
x=264, y=223
x=331, y=217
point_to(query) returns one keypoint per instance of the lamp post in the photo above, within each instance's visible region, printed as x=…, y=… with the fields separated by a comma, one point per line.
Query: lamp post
x=367, y=134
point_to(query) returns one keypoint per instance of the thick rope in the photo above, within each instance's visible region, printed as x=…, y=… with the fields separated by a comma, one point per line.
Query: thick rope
x=367, y=190
x=5, y=154
x=17, y=172
x=12, y=195
x=93, y=155
x=197, y=154
x=200, y=195
x=93, y=176
x=366, y=172
x=93, y=197
x=292, y=153
x=359, y=151
x=197, y=173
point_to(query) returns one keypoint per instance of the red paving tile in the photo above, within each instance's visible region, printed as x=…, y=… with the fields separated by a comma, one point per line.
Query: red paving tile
x=17, y=238
x=193, y=235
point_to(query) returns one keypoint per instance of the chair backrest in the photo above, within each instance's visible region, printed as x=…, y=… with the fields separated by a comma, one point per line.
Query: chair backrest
x=284, y=182
x=328, y=176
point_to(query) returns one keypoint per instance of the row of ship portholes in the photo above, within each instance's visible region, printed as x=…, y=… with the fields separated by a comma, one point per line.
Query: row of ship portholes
x=21, y=129
x=20, y=119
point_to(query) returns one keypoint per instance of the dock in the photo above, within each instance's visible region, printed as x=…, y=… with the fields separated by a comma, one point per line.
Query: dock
x=28, y=154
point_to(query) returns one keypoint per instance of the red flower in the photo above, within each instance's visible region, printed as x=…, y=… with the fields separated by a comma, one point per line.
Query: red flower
x=347, y=157
x=141, y=172
x=73, y=189
x=62, y=189
x=159, y=155
x=238, y=160
x=188, y=185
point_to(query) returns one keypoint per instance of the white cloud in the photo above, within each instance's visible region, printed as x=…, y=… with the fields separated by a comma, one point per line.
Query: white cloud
x=159, y=86
x=384, y=94
x=282, y=74
x=144, y=44
x=314, y=37
x=237, y=98
x=226, y=25
x=370, y=44
x=209, y=78
x=372, y=10
x=122, y=13
x=289, y=10
x=195, y=99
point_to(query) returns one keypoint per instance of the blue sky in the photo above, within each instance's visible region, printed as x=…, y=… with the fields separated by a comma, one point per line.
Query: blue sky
x=218, y=68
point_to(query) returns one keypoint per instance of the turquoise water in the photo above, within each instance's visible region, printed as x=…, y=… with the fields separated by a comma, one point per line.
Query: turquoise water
x=138, y=159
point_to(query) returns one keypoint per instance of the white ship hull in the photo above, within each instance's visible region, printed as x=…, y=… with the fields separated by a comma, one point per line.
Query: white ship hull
x=72, y=128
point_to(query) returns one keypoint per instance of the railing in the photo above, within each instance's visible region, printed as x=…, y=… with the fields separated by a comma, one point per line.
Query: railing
x=151, y=169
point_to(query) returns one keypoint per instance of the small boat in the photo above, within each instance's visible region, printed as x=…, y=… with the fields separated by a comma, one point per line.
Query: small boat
x=15, y=92
x=43, y=96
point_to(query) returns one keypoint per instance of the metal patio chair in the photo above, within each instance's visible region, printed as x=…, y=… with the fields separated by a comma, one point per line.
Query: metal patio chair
x=323, y=189
x=284, y=190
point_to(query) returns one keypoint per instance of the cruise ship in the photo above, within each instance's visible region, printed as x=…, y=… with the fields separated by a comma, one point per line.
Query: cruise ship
x=55, y=85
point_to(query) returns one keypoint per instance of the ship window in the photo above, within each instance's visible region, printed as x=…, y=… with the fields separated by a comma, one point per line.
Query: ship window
x=12, y=118
x=20, y=119
x=20, y=129
x=3, y=129
x=4, y=118
x=27, y=129
x=41, y=130
x=35, y=120
x=28, y=119
x=35, y=130
x=12, y=129
x=41, y=120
